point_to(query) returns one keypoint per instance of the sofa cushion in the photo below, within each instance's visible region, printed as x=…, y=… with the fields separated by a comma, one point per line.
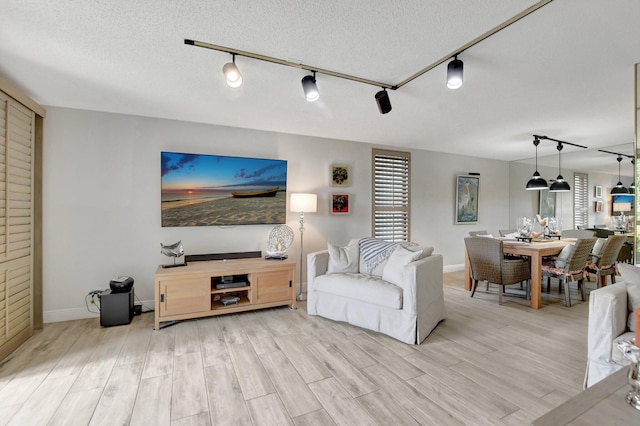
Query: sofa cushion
x=363, y=287
x=394, y=269
x=343, y=259
x=374, y=254
x=631, y=277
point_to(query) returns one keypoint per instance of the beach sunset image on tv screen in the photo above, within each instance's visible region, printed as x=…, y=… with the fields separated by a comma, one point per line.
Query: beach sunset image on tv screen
x=209, y=190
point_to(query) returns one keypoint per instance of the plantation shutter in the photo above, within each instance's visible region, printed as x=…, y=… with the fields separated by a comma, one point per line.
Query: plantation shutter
x=580, y=200
x=391, y=193
x=17, y=125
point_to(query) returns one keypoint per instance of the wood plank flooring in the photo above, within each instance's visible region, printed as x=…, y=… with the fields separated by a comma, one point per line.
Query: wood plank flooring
x=484, y=365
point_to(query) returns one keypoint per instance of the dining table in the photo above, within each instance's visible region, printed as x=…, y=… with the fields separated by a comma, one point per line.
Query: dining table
x=535, y=250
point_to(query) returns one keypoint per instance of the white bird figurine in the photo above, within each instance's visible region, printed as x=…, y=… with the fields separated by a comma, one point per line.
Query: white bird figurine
x=542, y=221
x=174, y=250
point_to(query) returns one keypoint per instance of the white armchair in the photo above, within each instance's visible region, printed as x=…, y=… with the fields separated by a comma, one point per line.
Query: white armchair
x=608, y=317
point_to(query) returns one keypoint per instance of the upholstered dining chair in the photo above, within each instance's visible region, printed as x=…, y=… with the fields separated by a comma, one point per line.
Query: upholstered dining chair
x=604, y=264
x=476, y=233
x=489, y=264
x=505, y=232
x=577, y=233
x=573, y=269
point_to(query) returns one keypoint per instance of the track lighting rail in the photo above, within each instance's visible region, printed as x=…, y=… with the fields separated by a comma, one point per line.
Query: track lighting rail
x=559, y=141
x=288, y=63
x=616, y=153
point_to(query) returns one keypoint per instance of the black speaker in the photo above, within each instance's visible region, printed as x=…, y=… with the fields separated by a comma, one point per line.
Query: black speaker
x=116, y=308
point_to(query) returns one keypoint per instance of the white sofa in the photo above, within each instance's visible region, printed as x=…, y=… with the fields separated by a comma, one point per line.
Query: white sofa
x=611, y=320
x=407, y=305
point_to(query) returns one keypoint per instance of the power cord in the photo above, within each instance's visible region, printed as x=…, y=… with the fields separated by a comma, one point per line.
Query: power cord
x=93, y=295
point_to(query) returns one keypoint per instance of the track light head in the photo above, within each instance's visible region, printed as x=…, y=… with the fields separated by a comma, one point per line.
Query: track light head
x=383, y=101
x=232, y=73
x=310, y=88
x=454, y=73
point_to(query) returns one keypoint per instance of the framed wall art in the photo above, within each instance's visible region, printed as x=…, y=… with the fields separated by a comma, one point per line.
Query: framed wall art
x=598, y=206
x=467, y=190
x=340, y=204
x=597, y=191
x=547, y=204
x=340, y=175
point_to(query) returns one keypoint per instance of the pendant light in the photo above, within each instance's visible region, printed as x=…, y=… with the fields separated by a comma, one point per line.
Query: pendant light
x=232, y=73
x=619, y=188
x=536, y=183
x=560, y=185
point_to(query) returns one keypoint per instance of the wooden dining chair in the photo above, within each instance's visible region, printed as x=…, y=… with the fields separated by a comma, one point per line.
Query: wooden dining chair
x=488, y=264
x=604, y=264
x=572, y=271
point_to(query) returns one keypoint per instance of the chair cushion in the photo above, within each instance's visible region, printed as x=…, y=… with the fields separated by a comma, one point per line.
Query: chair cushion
x=343, y=259
x=565, y=254
x=599, y=246
x=394, y=269
x=363, y=287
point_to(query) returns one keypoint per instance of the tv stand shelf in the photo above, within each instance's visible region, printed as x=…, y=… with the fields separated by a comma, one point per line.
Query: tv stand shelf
x=190, y=291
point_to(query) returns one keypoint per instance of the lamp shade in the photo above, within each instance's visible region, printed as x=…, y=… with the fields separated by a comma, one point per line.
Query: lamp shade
x=303, y=203
x=560, y=185
x=536, y=183
x=619, y=189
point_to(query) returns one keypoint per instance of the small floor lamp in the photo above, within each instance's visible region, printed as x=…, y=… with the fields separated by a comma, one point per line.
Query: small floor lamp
x=302, y=203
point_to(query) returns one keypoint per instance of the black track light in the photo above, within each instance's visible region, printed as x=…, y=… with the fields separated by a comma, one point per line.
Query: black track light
x=310, y=88
x=454, y=73
x=383, y=101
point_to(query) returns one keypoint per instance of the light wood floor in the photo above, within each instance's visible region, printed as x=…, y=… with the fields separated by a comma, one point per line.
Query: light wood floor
x=484, y=365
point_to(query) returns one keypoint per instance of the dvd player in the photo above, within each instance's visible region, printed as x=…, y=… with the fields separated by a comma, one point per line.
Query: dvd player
x=237, y=284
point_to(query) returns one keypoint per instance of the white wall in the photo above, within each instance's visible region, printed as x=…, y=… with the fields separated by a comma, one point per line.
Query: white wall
x=102, y=198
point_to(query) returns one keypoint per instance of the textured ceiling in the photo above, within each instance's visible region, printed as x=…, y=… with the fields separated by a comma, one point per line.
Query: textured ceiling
x=565, y=71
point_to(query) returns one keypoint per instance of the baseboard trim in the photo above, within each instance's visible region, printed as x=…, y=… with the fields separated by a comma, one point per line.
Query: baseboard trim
x=453, y=268
x=82, y=313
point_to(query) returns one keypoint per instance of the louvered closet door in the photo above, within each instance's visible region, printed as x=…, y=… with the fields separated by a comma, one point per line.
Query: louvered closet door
x=16, y=223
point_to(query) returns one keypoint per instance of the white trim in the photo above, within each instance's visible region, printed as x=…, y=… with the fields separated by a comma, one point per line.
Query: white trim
x=453, y=268
x=80, y=313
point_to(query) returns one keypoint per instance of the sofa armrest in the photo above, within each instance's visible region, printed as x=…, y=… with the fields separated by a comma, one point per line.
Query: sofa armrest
x=317, y=264
x=422, y=283
x=608, y=313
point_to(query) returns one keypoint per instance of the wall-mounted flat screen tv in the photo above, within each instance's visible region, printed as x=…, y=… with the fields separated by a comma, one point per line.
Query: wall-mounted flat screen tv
x=214, y=190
